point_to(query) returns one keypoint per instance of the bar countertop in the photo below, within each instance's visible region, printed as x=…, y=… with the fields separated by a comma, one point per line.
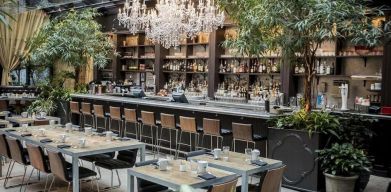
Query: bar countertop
x=182, y=106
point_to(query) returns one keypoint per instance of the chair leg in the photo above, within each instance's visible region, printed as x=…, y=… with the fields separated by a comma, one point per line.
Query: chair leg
x=46, y=182
x=119, y=179
x=170, y=132
x=28, y=180
x=8, y=175
x=97, y=184
x=69, y=186
x=51, y=184
x=178, y=145
x=24, y=175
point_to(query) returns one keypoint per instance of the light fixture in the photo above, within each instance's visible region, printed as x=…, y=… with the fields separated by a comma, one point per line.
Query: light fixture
x=171, y=21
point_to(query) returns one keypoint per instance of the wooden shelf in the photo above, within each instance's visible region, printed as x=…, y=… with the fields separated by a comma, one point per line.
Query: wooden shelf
x=359, y=56
x=186, y=72
x=366, y=77
x=195, y=44
x=137, y=71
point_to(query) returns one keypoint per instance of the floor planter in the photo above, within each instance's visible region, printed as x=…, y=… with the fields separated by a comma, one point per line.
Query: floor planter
x=297, y=150
x=340, y=184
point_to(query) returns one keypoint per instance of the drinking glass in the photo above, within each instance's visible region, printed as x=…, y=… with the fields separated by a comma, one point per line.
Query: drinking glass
x=247, y=153
x=226, y=152
x=193, y=167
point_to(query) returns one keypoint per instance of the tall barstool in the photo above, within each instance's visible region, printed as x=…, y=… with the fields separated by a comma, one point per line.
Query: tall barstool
x=99, y=113
x=115, y=114
x=244, y=133
x=148, y=119
x=168, y=123
x=86, y=111
x=212, y=128
x=188, y=125
x=130, y=116
x=74, y=109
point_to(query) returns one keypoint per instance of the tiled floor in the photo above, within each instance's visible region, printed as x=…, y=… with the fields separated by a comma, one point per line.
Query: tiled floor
x=376, y=184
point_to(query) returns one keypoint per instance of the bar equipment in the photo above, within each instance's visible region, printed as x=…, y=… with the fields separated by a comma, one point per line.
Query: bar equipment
x=344, y=94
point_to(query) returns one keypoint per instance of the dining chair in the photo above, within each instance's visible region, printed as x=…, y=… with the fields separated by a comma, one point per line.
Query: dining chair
x=3, y=105
x=130, y=116
x=99, y=113
x=188, y=125
x=195, y=153
x=115, y=115
x=86, y=111
x=5, y=153
x=124, y=160
x=212, y=128
x=39, y=161
x=18, y=155
x=228, y=186
x=168, y=123
x=244, y=132
x=272, y=180
x=74, y=109
x=147, y=186
x=148, y=119
x=61, y=170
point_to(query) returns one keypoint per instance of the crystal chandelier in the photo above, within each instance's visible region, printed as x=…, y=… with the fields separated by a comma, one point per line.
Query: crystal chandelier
x=133, y=17
x=171, y=21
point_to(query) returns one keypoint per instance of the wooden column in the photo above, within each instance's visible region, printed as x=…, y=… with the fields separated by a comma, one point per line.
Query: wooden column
x=287, y=82
x=386, y=74
x=160, y=53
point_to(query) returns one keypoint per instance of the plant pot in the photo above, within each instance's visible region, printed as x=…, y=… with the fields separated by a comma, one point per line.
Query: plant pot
x=362, y=50
x=293, y=147
x=340, y=184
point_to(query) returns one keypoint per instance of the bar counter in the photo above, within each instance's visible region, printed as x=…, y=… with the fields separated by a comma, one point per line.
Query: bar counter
x=182, y=106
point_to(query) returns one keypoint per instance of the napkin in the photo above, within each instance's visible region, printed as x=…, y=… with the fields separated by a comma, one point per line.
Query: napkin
x=26, y=135
x=46, y=140
x=10, y=130
x=63, y=146
x=259, y=163
x=206, y=176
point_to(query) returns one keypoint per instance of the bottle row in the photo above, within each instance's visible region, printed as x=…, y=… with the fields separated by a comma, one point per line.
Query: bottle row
x=255, y=66
x=321, y=67
x=181, y=65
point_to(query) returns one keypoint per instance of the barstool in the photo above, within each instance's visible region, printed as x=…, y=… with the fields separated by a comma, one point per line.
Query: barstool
x=188, y=125
x=212, y=128
x=168, y=123
x=130, y=116
x=148, y=118
x=244, y=132
x=115, y=114
x=99, y=113
x=74, y=109
x=86, y=111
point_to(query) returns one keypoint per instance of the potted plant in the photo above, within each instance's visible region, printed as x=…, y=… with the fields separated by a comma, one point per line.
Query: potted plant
x=295, y=138
x=342, y=164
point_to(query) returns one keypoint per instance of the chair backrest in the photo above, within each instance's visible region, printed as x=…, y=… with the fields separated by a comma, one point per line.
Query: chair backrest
x=228, y=186
x=188, y=124
x=58, y=166
x=40, y=122
x=37, y=158
x=3, y=105
x=115, y=113
x=86, y=108
x=74, y=106
x=167, y=121
x=99, y=111
x=195, y=153
x=130, y=115
x=272, y=180
x=148, y=118
x=16, y=151
x=4, y=149
x=129, y=156
x=144, y=163
x=242, y=131
x=211, y=126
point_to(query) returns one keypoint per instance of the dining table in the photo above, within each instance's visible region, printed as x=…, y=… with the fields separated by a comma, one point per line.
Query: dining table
x=30, y=120
x=174, y=177
x=96, y=143
x=238, y=163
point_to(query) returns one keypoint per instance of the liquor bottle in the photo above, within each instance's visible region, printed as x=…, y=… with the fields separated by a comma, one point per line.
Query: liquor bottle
x=297, y=69
x=322, y=68
x=328, y=70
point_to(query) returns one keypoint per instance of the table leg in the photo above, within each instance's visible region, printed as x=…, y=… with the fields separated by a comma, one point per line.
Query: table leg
x=1, y=166
x=142, y=153
x=75, y=172
x=131, y=183
x=244, y=183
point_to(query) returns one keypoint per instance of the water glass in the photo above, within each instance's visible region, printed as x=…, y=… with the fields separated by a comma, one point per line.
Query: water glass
x=193, y=168
x=52, y=123
x=24, y=127
x=248, y=154
x=226, y=152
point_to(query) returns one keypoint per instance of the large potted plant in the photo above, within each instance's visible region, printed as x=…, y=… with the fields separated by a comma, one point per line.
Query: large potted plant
x=342, y=164
x=295, y=138
x=72, y=39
